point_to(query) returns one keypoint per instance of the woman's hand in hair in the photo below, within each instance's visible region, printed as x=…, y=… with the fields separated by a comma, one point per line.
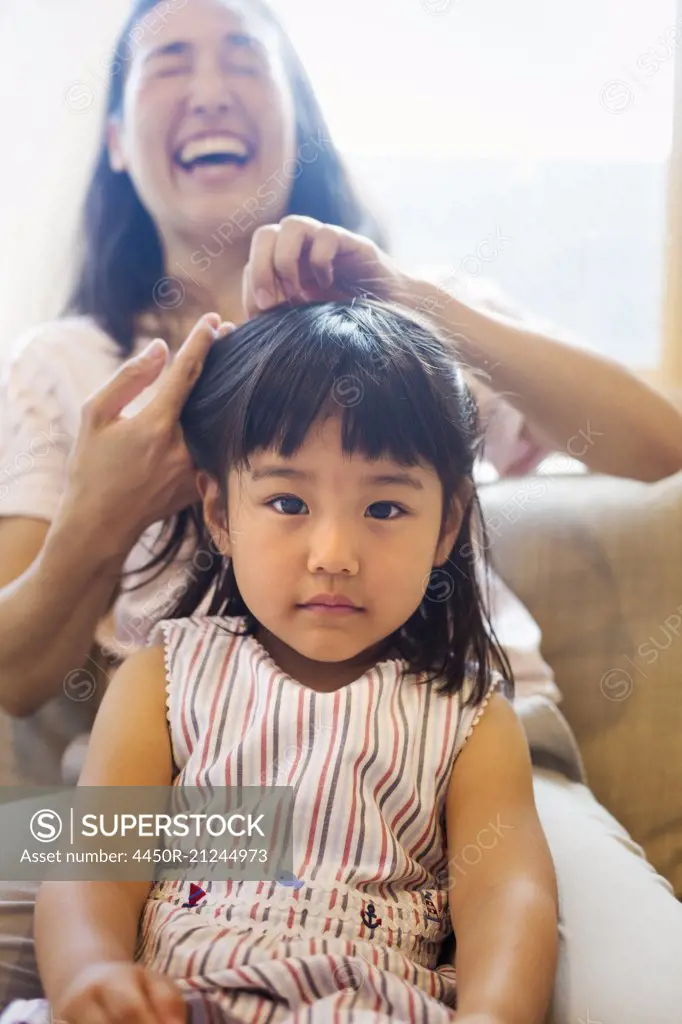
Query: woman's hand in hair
x=127, y=472
x=303, y=260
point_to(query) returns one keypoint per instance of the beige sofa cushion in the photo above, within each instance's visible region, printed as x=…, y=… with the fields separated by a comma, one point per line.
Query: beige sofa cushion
x=598, y=562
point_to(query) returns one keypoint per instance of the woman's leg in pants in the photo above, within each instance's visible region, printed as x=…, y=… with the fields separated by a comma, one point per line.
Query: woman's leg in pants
x=620, y=958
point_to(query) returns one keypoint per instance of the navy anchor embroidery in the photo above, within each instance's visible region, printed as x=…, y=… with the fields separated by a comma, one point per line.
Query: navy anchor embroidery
x=369, y=918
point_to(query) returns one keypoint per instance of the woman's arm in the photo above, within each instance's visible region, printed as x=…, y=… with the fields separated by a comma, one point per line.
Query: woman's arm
x=83, y=928
x=124, y=474
x=574, y=401
x=503, y=899
x=56, y=581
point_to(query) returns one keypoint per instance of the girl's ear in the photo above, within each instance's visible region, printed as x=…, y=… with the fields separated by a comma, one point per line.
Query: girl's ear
x=453, y=521
x=214, y=512
x=114, y=145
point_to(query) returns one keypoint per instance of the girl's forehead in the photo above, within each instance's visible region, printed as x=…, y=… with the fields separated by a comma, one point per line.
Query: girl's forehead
x=186, y=21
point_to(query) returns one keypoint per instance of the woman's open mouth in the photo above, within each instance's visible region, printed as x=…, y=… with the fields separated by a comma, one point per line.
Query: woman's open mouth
x=216, y=158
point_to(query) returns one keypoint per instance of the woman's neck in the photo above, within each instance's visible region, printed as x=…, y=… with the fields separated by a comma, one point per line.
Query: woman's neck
x=199, y=282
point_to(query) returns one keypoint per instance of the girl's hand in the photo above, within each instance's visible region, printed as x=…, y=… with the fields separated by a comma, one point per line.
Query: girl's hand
x=303, y=260
x=127, y=472
x=110, y=993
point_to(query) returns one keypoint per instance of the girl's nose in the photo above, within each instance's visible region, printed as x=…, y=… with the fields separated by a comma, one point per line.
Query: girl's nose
x=333, y=551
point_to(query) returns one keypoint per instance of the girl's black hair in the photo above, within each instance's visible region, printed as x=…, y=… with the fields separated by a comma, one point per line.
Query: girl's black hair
x=400, y=394
x=122, y=260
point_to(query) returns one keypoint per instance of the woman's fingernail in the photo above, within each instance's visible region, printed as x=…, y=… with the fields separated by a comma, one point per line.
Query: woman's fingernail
x=213, y=319
x=264, y=298
x=154, y=350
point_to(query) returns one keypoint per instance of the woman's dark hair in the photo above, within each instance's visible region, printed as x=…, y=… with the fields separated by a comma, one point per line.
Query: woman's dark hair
x=122, y=260
x=399, y=394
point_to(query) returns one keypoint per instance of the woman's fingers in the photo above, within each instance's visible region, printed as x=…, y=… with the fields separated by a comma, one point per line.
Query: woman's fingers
x=137, y=374
x=187, y=365
x=323, y=251
x=295, y=234
x=265, y=289
x=165, y=999
x=299, y=258
x=133, y=377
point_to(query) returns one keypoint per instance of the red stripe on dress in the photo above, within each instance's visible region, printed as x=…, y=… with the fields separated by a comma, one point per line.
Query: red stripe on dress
x=183, y=709
x=217, y=697
x=320, y=788
x=245, y=937
x=411, y=1002
x=445, y=746
x=382, y=782
x=264, y=736
x=297, y=982
x=408, y=805
x=352, y=823
x=299, y=733
x=253, y=690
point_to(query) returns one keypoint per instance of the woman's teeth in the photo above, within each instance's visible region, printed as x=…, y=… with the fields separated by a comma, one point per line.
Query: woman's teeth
x=213, y=149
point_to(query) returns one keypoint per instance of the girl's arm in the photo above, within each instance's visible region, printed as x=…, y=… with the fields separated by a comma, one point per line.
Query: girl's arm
x=503, y=896
x=575, y=402
x=86, y=929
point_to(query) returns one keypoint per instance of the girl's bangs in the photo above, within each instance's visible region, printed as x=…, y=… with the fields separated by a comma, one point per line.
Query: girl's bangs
x=387, y=406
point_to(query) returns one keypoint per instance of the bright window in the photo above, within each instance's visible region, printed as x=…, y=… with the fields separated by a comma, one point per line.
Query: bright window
x=466, y=120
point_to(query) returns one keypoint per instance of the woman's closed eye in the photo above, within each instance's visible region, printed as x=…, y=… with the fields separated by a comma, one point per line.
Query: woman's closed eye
x=383, y=505
x=175, y=59
x=245, y=54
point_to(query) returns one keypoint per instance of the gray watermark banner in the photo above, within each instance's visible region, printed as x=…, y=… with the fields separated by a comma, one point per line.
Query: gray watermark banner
x=146, y=833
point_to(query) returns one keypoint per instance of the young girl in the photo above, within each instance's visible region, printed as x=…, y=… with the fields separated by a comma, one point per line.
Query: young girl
x=334, y=444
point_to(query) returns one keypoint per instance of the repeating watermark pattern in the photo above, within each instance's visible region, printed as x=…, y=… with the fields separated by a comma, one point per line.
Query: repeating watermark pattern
x=617, y=96
x=169, y=292
x=438, y=7
x=80, y=95
x=134, y=632
x=617, y=684
x=438, y=586
x=80, y=685
x=347, y=391
x=487, y=251
x=531, y=490
x=38, y=448
x=350, y=974
x=472, y=853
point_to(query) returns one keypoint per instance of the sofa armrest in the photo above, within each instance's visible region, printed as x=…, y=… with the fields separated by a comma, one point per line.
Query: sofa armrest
x=598, y=562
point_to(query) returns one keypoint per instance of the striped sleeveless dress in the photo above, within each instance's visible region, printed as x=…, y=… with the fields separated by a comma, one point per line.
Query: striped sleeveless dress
x=369, y=765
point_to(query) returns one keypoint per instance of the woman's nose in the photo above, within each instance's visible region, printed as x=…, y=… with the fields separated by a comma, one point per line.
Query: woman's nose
x=211, y=91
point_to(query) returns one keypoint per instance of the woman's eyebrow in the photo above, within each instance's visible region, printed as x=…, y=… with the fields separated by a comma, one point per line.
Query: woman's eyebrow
x=179, y=47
